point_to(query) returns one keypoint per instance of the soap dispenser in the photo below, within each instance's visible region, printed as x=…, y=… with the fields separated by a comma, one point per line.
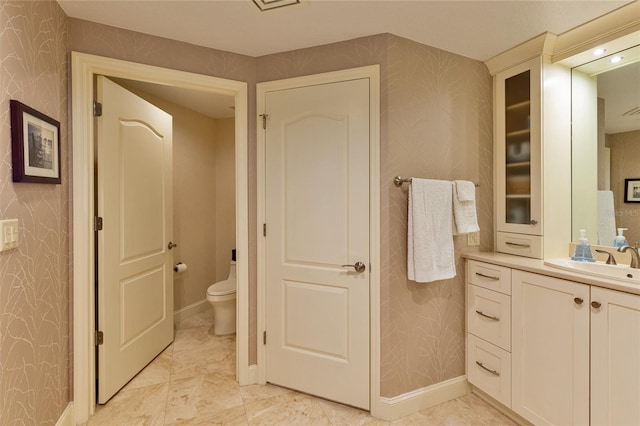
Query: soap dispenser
x=620, y=240
x=583, y=249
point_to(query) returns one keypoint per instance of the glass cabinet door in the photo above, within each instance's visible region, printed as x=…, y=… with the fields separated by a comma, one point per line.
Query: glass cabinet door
x=517, y=145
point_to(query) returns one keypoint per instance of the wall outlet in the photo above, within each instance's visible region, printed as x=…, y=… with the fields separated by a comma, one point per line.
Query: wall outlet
x=8, y=234
x=473, y=238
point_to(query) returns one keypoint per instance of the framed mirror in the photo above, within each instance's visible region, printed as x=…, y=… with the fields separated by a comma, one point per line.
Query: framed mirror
x=606, y=147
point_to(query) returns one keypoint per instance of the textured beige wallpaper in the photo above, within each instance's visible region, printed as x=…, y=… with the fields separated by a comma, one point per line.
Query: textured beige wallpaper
x=439, y=127
x=34, y=279
x=625, y=164
x=436, y=122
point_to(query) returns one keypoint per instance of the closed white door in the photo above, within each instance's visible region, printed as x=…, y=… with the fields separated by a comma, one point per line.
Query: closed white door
x=135, y=291
x=615, y=358
x=317, y=217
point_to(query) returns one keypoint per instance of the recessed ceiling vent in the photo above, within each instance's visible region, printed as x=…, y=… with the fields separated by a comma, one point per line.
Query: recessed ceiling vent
x=264, y=5
x=632, y=111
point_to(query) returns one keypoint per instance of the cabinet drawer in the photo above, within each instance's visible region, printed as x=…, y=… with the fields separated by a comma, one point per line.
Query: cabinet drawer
x=489, y=276
x=489, y=369
x=489, y=316
x=520, y=244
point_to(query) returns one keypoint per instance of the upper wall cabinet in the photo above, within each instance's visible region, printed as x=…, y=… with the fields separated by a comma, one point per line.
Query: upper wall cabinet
x=532, y=149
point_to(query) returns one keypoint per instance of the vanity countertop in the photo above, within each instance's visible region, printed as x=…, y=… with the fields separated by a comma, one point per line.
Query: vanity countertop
x=537, y=266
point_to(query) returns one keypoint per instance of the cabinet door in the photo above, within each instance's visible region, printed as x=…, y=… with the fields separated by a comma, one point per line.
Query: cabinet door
x=518, y=153
x=615, y=358
x=550, y=349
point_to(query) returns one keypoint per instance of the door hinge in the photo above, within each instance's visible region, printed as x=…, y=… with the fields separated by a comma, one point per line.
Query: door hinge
x=99, y=338
x=264, y=229
x=264, y=120
x=264, y=337
x=97, y=109
x=97, y=223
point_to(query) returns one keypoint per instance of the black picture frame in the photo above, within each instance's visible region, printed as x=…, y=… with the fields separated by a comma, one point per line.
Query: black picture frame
x=35, y=145
x=632, y=190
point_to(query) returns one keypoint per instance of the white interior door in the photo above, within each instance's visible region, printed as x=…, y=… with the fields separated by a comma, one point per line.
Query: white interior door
x=317, y=215
x=134, y=178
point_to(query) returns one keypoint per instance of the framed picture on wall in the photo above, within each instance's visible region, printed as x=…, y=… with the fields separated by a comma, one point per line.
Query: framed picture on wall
x=35, y=145
x=632, y=190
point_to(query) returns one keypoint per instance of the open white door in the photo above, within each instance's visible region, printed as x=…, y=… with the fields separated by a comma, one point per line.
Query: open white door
x=317, y=218
x=134, y=200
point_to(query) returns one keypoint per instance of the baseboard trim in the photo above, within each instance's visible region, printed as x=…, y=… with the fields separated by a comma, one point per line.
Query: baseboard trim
x=68, y=416
x=252, y=376
x=191, y=310
x=420, y=399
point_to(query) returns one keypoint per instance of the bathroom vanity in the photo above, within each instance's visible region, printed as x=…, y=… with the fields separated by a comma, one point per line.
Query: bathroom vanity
x=550, y=341
x=553, y=346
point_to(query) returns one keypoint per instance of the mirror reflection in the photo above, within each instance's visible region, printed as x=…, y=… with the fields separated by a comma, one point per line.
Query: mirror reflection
x=606, y=148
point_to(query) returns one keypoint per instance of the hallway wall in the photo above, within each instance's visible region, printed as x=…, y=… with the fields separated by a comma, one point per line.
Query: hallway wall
x=35, y=290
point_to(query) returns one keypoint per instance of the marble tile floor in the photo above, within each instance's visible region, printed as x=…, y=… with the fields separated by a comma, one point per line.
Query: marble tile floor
x=193, y=383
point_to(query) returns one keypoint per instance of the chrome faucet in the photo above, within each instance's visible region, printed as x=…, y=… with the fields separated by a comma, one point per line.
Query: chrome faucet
x=635, y=257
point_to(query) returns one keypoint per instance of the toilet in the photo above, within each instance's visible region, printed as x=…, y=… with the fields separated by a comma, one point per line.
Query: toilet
x=222, y=296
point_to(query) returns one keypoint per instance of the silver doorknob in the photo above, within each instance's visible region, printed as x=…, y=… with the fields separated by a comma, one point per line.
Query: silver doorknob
x=171, y=245
x=359, y=266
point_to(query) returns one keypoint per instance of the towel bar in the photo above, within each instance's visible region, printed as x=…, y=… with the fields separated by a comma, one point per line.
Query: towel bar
x=398, y=181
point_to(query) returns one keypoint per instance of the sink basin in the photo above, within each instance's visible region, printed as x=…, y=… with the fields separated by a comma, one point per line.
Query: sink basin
x=597, y=269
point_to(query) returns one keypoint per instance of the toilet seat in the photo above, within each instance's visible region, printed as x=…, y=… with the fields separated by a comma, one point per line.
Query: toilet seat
x=222, y=288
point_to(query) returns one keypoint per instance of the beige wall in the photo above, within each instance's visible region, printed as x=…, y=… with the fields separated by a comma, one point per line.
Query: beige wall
x=436, y=122
x=194, y=204
x=440, y=127
x=34, y=279
x=625, y=164
x=225, y=194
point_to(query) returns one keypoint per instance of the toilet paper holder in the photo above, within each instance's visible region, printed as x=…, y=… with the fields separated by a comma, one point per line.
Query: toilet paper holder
x=180, y=267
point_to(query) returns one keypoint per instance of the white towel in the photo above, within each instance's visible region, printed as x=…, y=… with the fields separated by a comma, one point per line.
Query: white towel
x=464, y=207
x=606, y=218
x=430, y=239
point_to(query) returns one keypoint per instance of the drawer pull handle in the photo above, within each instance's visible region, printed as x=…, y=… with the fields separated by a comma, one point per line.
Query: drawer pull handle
x=494, y=372
x=578, y=300
x=517, y=244
x=489, y=277
x=482, y=314
x=596, y=304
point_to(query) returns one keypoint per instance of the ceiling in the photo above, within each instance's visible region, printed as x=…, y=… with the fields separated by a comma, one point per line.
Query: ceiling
x=619, y=86
x=476, y=29
x=210, y=104
x=620, y=90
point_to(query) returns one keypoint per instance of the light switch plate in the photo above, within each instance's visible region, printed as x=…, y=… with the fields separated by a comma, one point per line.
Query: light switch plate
x=9, y=238
x=473, y=239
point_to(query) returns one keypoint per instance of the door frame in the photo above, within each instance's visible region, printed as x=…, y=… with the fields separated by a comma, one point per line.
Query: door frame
x=371, y=72
x=83, y=69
